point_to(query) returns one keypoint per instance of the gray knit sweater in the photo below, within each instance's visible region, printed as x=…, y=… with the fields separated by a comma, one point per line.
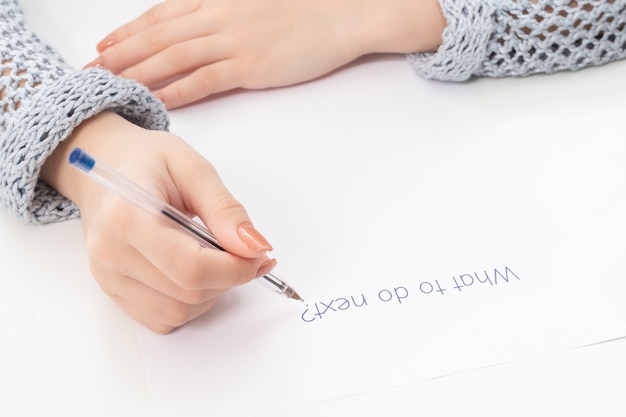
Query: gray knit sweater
x=43, y=99
x=523, y=37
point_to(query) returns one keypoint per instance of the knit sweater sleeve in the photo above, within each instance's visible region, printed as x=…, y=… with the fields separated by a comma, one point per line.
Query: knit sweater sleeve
x=501, y=38
x=42, y=100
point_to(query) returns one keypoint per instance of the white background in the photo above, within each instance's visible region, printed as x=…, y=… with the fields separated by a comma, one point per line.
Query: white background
x=68, y=350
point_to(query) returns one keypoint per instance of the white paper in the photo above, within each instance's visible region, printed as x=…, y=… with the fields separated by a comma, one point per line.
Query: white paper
x=439, y=245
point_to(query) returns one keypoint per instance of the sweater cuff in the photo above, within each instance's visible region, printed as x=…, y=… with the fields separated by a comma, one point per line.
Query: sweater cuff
x=50, y=116
x=464, y=43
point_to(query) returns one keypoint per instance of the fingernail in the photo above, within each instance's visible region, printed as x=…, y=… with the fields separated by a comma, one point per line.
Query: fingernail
x=95, y=63
x=252, y=238
x=105, y=43
x=266, y=267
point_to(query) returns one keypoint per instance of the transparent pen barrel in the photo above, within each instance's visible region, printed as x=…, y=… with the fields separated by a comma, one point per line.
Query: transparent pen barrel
x=141, y=198
x=125, y=188
x=276, y=284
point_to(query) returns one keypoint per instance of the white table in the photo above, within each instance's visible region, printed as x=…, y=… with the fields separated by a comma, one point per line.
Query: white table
x=68, y=350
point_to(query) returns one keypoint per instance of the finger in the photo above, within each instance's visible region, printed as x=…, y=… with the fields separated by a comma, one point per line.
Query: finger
x=141, y=317
x=162, y=12
x=180, y=58
x=201, y=83
x=182, y=260
x=157, y=38
x=126, y=261
x=149, y=306
x=159, y=307
x=204, y=194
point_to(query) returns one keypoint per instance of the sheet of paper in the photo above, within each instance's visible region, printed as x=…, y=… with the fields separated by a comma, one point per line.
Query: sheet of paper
x=423, y=243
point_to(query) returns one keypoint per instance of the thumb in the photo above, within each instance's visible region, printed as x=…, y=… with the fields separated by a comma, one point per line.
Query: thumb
x=204, y=194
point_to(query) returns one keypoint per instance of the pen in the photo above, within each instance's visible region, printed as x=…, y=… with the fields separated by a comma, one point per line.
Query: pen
x=135, y=194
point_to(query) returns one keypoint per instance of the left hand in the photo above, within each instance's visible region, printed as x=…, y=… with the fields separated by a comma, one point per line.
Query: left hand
x=190, y=49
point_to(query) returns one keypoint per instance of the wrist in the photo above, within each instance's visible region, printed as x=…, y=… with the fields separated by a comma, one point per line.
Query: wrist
x=399, y=26
x=89, y=135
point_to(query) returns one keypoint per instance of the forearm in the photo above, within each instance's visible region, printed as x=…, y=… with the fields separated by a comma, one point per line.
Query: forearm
x=547, y=36
x=523, y=37
x=43, y=100
x=396, y=26
x=105, y=130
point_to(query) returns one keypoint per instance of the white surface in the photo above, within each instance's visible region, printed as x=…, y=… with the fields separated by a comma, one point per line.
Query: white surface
x=580, y=382
x=67, y=350
x=362, y=184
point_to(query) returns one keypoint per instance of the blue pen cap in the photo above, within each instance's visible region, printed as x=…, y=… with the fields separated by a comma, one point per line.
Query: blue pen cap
x=81, y=160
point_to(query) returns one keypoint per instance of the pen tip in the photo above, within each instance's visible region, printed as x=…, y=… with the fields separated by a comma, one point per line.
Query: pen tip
x=295, y=296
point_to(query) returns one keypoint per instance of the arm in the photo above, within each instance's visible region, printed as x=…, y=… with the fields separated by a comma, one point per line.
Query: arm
x=42, y=100
x=158, y=275
x=524, y=37
x=218, y=45
x=201, y=47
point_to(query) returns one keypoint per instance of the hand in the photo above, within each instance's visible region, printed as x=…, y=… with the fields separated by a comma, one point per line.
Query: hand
x=190, y=49
x=157, y=273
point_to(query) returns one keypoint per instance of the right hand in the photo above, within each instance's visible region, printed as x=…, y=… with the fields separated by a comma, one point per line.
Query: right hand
x=159, y=275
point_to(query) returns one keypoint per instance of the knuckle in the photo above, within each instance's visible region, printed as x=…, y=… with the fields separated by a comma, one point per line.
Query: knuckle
x=161, y=329
x=97, y=247
x=154, y=37
x=177, y=54
x=101, y=235
x=135, y=73
x=241, y=277
x=96, y=272
x=208, y=81
x=225, y=203
x=192, y=276
x=193, y=297
x=176, y=314
x=173, y=94
x=115, y=58
x=154, y=15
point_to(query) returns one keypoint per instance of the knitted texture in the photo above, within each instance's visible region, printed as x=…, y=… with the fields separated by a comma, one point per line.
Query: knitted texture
x=524, y=37
x=42, y=101
x=465, y=40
